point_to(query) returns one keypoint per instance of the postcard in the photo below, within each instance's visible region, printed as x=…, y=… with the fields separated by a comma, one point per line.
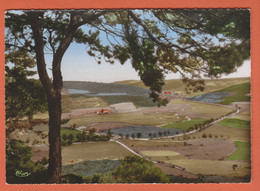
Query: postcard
x=129, y=95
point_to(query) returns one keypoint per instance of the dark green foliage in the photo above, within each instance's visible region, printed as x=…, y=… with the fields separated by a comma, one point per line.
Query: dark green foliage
x=109, y=133
x=64, y=137
x=138, y=170
x=70, y=136
x=72, y=178
x=144, y=61
x=66, y=131
x=132, y=170
x=23, y=96
x=64, y=121
x=84, y=137
x=139, y=135
x=181, y=179
x=231, y=22
x=18, y=159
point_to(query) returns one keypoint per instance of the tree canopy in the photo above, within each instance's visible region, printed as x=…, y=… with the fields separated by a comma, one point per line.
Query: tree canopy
x=193, y=42
x=23, y=96
x=196, y=43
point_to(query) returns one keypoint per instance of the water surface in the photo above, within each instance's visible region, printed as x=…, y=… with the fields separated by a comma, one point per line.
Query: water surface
x=215, y=97
x=144, y=130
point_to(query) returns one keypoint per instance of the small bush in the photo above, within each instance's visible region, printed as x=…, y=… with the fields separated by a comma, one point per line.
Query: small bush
x=92, y=131
x=72, y=178
x=27, y=140
x=18, y=158
x=34, y=142
x=71, y=137
x=70, y=142
x=234, y=166
x=139, y=135
x=64, y=137
x=204, y=135
x=64, y=121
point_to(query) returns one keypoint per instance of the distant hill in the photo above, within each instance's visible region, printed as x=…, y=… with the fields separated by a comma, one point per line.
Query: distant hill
x=177, y=85
x=95, y=87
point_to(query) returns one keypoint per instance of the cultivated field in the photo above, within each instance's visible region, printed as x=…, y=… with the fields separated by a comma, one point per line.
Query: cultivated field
x=220, y=132
x=203, y=110
x=93, y=151
x=213, y=167
x=130, y=118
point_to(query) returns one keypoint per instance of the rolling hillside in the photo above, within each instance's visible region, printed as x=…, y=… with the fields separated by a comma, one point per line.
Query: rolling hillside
x=177, y=86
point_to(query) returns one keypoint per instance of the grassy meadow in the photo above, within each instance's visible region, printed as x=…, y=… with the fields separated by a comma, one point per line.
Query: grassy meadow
x=221, y=132
x=245, y=115
x=204, y=110
x=184, y=125
x=238, y=123
x=213, y=167
x=130, y=118
x=93, y=151
x=177, y=85
x=242, y=152
x=239, y=92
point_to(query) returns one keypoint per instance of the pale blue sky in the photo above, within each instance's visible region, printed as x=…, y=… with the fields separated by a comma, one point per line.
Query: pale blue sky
x=77, y=65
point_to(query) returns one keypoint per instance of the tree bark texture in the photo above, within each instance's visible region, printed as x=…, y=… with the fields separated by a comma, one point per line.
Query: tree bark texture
x=55, y=161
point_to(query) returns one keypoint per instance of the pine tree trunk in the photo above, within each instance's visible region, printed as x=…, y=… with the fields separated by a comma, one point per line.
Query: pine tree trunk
x=55, y=162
